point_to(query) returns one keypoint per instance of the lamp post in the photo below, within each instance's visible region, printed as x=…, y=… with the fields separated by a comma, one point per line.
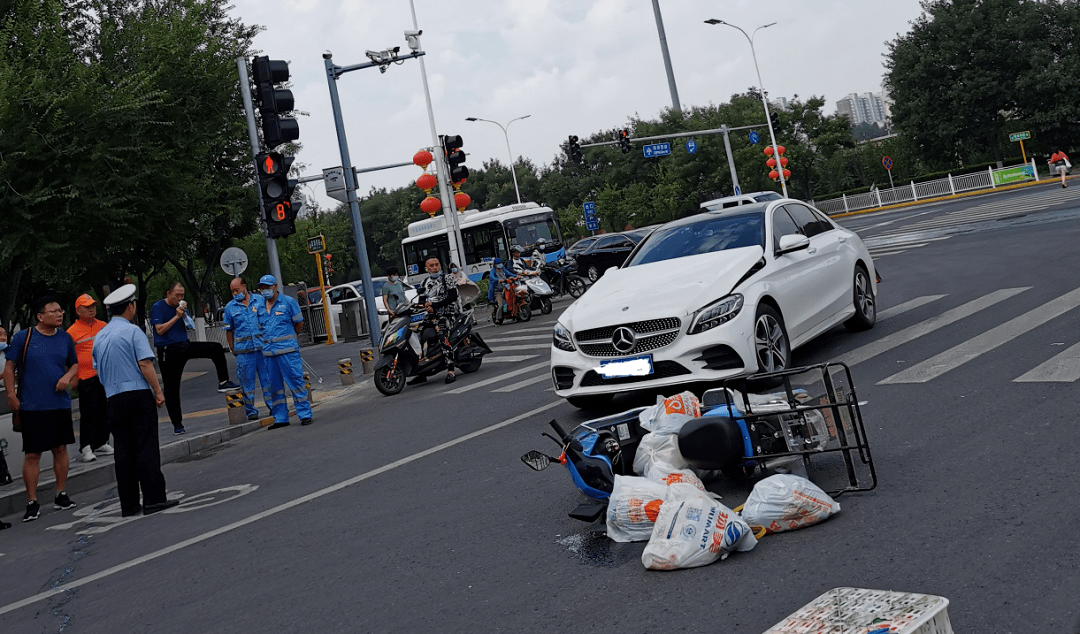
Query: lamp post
x=513, y=172
x=764, y=101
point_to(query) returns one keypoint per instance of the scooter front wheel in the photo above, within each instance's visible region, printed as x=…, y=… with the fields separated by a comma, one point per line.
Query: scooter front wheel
x=524, y=313
x=390, y=380
x=545, y=305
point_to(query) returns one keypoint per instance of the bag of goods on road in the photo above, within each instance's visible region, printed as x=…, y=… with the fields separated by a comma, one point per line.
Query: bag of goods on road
x=668, y=475
x=694, y=530
x=670, y=414
x=633, y=507
x=786, y=502
x=662, y=447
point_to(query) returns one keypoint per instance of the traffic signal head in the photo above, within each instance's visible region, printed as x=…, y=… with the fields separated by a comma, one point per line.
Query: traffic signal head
x=774, y=119
x=574, y=150
x=277, y=189
x=455, y=157
x=624, y=141
x=274, y=103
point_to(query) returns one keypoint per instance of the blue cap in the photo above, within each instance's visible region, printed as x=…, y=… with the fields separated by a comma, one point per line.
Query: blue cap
x=498, y=261
x=268, y=280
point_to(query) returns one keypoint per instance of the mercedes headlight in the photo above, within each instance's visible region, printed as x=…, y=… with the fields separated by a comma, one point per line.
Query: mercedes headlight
x=561, y=338
x=718, y=312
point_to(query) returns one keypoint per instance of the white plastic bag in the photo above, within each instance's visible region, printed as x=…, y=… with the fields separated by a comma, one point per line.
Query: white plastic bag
x=694, y=530
x=785, y=502
x=668, y=475
x=633, y=507
x=670, y=414
x=658, y=447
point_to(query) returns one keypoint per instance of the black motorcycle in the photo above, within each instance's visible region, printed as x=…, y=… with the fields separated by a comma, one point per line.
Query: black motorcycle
x=562, y=277
x=410, y=347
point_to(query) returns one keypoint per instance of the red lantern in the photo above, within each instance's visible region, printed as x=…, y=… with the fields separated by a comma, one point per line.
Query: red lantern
x=462, y=200
x=430, y=205
x=427, y=182
x=780, y=149
x=773, y=175
x=783, y=161
x=787, y=174
x=768, y=150
x=771, y=163
x=423, y=158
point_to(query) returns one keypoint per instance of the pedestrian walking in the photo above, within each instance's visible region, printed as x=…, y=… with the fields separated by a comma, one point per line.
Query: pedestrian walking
x=280, y=320
x=174, y=350
x=442, y=294
x=241, y=325
x=93, y=417
x=47, y=366
x=1059, y=162
x=125, y=364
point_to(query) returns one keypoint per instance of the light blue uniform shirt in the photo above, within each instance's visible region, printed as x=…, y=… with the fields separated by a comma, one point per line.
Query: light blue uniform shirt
x=243, y=321
x=118, y=348
x=279, y=326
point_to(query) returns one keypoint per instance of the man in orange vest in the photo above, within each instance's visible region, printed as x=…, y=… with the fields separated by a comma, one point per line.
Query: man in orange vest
x=93, y=421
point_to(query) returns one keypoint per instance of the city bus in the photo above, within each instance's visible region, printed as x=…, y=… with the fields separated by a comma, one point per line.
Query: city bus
x=487, y=235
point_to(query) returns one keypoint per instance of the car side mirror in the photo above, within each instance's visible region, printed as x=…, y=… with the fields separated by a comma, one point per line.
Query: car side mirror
x=792, y=242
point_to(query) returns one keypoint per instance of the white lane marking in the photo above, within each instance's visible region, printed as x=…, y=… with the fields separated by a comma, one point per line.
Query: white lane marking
x=501, y=377
x=109, y=517
x=1063, y=368
x=510, y=358
x=908, y=305
x=517, y=331
x=885, y=254
x=157, y=554
x=525, y=338
x=546, y=346
x=520, y=384
x=892, y=247
x=911, y=333
x=958, y=355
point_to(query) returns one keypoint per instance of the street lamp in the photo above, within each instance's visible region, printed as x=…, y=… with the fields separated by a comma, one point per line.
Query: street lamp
x=513, y=172
x=764, y=101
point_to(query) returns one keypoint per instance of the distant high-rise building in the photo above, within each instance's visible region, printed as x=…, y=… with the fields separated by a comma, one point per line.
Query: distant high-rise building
x=781, y=104
x=868, y=107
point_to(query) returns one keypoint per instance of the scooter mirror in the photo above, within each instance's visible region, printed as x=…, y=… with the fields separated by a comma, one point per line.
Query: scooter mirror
x=537, y=461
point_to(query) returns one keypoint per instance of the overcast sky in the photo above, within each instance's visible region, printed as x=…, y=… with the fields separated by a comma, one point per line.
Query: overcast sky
x=575, y=66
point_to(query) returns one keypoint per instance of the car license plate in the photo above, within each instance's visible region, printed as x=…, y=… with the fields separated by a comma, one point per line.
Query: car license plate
x=634, y=366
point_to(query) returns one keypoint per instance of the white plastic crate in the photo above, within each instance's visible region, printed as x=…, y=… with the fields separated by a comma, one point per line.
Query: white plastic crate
x=862, y=611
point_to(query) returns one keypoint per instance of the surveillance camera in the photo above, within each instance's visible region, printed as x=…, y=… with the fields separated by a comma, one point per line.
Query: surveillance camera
x=396, y=49
x=327, y=55
x=413, y=39
x=413, y=33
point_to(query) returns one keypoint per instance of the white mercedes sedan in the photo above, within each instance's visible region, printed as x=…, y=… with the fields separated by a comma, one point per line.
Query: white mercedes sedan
x=716, y=295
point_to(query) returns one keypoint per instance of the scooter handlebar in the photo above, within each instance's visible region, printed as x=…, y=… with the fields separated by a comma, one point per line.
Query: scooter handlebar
x=559, y=431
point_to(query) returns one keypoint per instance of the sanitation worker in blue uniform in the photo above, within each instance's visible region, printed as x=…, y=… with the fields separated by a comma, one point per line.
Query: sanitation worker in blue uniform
x=241, y=325
x=280, y=320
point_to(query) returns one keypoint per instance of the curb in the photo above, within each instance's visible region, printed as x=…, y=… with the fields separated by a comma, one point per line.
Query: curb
x=103, y=473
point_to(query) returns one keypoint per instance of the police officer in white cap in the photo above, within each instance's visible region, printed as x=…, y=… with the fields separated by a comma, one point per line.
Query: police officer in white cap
x=125, y=363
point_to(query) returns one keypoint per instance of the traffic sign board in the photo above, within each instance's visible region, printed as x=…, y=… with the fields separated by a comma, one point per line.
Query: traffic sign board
x=592, y=225
x=754, y=138
x=316, y=244
x=1020, y=136
x=234, y=261
x=886, y=162
x=691, y=146
x=591, y=222
x=738, y=190
x=656, y=149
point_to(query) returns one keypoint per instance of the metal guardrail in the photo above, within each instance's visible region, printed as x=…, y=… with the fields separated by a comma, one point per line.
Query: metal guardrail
x=914, y=192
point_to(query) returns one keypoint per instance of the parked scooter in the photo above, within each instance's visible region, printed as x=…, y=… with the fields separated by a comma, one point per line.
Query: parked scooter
x=408, y=353
x=562, y=277
x=742, y=434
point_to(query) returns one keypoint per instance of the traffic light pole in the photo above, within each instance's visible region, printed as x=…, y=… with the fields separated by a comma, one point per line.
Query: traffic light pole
x=253, y=136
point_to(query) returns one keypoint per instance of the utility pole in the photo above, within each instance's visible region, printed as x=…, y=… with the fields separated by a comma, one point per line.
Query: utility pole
x=667, y=57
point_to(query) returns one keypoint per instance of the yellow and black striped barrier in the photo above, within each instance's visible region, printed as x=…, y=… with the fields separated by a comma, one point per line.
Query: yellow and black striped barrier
x=307, y=386
x=235, y=401
x=367, y=360
x=345, y=371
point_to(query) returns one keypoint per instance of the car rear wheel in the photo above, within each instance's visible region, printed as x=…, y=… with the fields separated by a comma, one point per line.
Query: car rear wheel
x=577, y=287
x=593, y=401
x=865, y=303
x=593, y=273
x=770, y=341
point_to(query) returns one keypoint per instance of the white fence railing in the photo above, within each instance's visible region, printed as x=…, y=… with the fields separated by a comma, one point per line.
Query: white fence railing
x=912, y=192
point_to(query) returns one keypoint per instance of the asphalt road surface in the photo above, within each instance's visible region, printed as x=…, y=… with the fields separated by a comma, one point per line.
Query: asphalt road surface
x=414, y=513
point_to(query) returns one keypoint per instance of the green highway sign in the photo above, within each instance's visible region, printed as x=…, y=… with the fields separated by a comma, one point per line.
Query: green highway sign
x=1019, y=136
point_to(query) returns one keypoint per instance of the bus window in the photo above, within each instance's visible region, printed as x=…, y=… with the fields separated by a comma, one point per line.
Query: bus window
x=480, y=242
x=418, y=252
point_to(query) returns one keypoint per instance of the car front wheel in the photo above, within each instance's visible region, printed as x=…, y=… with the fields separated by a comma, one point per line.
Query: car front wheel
x=770, y=341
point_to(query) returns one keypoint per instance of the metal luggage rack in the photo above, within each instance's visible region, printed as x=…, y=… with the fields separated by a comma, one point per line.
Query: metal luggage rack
x=824, y=392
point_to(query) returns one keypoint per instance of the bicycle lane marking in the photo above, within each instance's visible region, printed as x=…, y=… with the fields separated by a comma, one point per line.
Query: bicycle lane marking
x=108, y=572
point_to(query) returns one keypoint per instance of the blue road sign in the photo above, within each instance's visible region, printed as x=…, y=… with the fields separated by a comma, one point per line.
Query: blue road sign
x=592, y=225
x=656, y=149
x=691, y=146
x=738, y=190
x=591, y=222
x=754, y=138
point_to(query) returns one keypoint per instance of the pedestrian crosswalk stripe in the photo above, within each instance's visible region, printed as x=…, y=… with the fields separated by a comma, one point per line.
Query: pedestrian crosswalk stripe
x=908, y=305
x=911, y=333
x=510, y=358
x=546, y=346
x=524, y=338
x=958, y=355
x=885, y=254
x=501, y=377
x=1063, y=368
x=518, y=331
x=526, y=382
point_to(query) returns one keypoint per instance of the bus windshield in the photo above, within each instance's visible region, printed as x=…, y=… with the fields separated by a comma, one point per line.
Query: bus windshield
x=526, y=231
